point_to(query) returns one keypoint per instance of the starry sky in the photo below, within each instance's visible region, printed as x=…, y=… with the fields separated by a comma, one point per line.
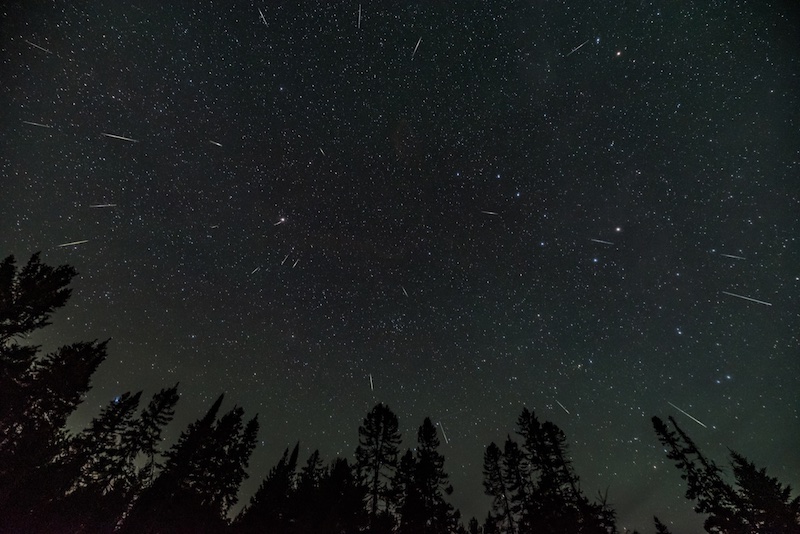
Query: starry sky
x=586, y=208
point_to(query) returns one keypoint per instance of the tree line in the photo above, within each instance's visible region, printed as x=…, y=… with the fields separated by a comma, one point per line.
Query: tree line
x=112, y=476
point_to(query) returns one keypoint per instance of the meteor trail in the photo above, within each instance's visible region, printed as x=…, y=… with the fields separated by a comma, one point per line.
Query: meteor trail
x=286, y=258
x=578, y=47
x=404, y=291
x=120, y=137
x=490, y=213
x=39, y=124
x=562, y=407
x=733, y=256
x=747, y=298
x=371, y=385
x=602, y=241
x=415, y=48
x=214, y=142
x=359, y=16
x=261, y=16
x=443, y=433
x=103, y=206
x=254, y=271
x=323, y=152
x=43, y=49
x=295, y=263
x=73, y=243
x=687, y=415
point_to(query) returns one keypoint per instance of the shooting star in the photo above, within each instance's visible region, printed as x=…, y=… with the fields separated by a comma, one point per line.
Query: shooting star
x=747, y=298
x=562, y=407
x=404, y=291
x=254, y=271
x=735, y=257
x=371, y=385
x=103, y=206
x=261, y=16
x=415, y=48
x=286, y=258
x=359, y=16
x=323, y=152
x=687, y=415
x=443, y=433
x=280, y=221
x=295, y=263
x=73, y=243
x=578, y=47
x=39, y=124
x=602, y=241
x=214, y=143
x=43, y=49
x=214, y=226
x=490, y=213
x=120, y=137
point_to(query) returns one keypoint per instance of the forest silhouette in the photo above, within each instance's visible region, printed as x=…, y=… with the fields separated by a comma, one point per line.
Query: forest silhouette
x=112, y=476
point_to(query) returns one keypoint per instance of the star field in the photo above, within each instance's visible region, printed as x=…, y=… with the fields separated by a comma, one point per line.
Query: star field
x=490, y=219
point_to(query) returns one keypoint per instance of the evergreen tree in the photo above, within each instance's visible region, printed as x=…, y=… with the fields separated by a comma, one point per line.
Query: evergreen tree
x=758, y=503
x=175, y=500
x=661, y=528
x=496, y=486
x=425, y=510
x=267, y=511
x=376, y=461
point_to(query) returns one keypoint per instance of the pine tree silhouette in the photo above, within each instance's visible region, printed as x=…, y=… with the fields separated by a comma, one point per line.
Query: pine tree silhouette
x=268, y=511
x=179, y=499
x=376, y=461
x=425, y=510
x=758, y=504
x=498, y=487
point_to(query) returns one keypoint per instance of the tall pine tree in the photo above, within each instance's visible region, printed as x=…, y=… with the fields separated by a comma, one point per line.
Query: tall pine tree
x=425, y=510
x=376, y=461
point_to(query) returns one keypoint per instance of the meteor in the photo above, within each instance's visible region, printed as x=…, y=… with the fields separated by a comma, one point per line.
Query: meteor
x=120, y=137
x=747, y=298
x=39, y=124
x=601, y=241
x=103, y=206
x=689, y=416
x=73, y=243
x=443, y=433
x=415, y=48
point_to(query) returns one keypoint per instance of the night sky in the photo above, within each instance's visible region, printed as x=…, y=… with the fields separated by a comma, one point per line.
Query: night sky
x=586, y=208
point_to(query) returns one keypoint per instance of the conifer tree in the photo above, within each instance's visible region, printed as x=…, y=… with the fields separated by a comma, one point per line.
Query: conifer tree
x=376, y=461
x=269, y=506
x=758, y=504
x=496, y=486
x=425, y=510
x=171, y=502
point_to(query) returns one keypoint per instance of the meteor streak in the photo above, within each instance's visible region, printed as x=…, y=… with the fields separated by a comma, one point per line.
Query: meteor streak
x=443, y=433
x=733, y=256
x=73, y=243
x=415, y=48
x=39, y=124
x=562, y=407
x=120, y=137
x=43, y=49
x=371, y=385
x=602, y=241
x=103, y=206
x=689, y=416
x=214, y=143
x=578, y=47
x=747, y=298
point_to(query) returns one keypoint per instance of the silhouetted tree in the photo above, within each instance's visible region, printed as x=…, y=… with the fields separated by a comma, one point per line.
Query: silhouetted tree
x=661, y=528
x=269, y=506
x=425, y=510
x=376, y=461
x=496, y=486
x=758, y=504
x=200, y=477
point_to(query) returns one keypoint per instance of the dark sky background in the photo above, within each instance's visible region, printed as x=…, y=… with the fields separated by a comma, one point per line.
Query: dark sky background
x=538, y=202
